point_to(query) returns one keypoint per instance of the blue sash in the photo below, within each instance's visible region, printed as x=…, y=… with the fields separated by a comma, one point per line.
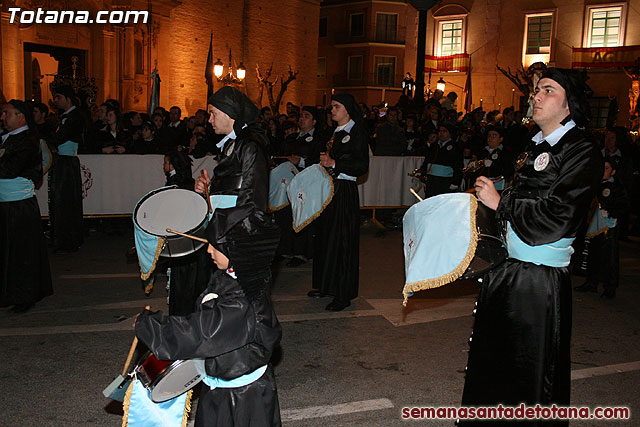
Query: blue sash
x=69, y=148
x=556, y=254
x=439, y=170
x=498, y=184
x=14, y=189
x=222, y=201
x=141, y=411
x=241, y=381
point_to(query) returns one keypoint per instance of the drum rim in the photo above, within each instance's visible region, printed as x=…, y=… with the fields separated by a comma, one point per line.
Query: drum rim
x=167, y=236
x=166, y=371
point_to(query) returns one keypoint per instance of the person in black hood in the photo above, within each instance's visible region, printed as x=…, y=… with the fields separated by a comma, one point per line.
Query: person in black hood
x=336, y=257
x=234, y=327
x=520, y=346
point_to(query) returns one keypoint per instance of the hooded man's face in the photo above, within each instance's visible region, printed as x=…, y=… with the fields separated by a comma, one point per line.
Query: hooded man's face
x=339, y=113
x=218, y=257
x=550, y=105
x=221, y=122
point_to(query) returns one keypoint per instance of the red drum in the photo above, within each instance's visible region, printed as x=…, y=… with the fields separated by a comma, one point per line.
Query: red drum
x=166, y=379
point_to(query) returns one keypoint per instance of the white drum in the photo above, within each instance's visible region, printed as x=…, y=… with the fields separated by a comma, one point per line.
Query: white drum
x=168, y=379
x=177, y=209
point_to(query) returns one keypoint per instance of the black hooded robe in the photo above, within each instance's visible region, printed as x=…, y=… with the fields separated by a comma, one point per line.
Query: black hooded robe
x=336, y=258
x=25, y=276
x=65, y=185
x=236, y=335
x=520, y=346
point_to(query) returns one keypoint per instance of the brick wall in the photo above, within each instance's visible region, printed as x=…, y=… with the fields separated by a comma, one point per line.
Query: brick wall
x=257, y=31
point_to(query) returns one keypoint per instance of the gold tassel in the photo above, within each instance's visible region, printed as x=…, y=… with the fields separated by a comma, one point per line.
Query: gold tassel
x=125, y=405
x=149, y=286
x=187, y=408
x=161, y=242
x=453, y=275
x=324, y=205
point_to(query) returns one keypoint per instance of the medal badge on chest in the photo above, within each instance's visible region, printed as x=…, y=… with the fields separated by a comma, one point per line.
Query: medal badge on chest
x=309, y=139
x=230, y=149
x=346, y=139
x=494, y=156
x=541, y=162
x=449, y=147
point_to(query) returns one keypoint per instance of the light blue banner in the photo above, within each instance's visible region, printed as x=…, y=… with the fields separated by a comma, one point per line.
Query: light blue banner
x=222, y=201
x=309, y=193
x=14, y=189
x=556, y=254
x=144, y=412
x=279, y=179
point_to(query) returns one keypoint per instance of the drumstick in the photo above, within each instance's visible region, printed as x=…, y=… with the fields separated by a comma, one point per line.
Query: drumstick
x=416, y=194
x=132, y=350
x=206, y=191
x=199, y=239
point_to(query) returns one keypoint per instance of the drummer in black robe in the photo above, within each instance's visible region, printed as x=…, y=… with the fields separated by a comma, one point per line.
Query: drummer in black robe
x=25, y=277
x=336, y=257
x=243, y=165
x=519, y=350
x=183, y=290
x=234, y=327
x=298, y=247
x=443, y=163
x=65, y=185
x=498, y=163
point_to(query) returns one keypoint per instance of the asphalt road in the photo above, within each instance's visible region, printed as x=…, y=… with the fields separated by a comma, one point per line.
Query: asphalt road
x=356, y=367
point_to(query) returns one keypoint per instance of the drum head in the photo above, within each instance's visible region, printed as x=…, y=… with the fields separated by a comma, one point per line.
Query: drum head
x=176, y=379
x=174, y=208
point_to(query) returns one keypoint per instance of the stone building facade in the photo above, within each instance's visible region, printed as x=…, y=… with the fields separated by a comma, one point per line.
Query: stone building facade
x=175, y=40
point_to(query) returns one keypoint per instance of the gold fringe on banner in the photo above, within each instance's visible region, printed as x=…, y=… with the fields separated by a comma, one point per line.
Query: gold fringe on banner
x=127, y=402
x=125, y=405
x=453, y=275
x=161, y=242
x=604, y=230
x=324, y=205
x=277, y=208
x=187, y=408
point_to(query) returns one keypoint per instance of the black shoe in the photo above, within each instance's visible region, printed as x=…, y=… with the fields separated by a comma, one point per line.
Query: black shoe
x=21, y=308
x=608, y=294
x=586, y=287
x=315, y=293
x=337, y=306
x=295, y=262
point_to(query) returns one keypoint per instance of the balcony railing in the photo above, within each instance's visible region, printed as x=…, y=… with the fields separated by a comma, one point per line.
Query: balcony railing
x=372, y=34
x=368, y=79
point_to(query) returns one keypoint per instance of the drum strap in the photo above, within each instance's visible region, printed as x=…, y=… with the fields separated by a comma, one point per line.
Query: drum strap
x=556, y=254
x=14, y=189
x=241, y=381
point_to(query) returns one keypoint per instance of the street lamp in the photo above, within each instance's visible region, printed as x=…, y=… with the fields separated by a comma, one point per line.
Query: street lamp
x=440, y=84
x=229, y=78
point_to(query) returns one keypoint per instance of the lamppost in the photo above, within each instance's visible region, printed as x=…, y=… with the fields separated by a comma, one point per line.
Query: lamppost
x=229, y=78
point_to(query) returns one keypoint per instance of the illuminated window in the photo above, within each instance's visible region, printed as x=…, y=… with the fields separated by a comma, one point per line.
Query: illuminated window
x=605, y=26
x=537, y=38
x=539, y=34
x=450, y=40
